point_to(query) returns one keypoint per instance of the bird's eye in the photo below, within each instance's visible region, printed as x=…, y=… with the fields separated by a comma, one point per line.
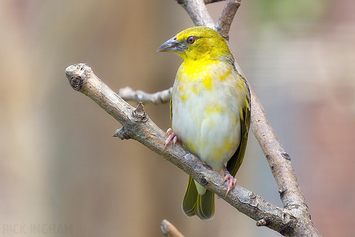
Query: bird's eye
x=190, y=40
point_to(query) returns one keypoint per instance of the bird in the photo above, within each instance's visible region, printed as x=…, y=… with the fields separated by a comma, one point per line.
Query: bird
x=209, y=110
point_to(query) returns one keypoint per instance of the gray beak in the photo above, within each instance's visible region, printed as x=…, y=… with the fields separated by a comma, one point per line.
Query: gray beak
x=172, y=45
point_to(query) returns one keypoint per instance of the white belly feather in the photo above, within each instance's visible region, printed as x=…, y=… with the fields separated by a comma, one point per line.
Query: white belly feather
x=208, y=121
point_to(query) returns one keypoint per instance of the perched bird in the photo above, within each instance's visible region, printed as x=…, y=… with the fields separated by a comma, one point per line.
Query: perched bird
x=210, y=110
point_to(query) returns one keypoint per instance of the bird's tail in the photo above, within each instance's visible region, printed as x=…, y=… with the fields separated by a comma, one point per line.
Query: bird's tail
x=196, y=204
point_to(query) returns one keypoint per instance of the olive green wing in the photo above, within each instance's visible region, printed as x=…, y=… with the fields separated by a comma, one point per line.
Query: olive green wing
x=237, y=159
x=171, y=108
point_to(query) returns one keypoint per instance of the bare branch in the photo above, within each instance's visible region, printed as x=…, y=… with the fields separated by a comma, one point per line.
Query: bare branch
x=282, y=169
x=160, y=97
x=279, y=160
x=226, y=18
x=200, y=16
x=169, y=229
x=198, y=12
x=138, y=126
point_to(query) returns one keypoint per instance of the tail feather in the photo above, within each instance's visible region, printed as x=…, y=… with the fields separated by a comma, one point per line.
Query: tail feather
x=189, y=203
x=205, y=206
x=195, y=204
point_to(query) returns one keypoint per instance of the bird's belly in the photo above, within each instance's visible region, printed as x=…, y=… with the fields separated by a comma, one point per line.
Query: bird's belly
x=207, y=127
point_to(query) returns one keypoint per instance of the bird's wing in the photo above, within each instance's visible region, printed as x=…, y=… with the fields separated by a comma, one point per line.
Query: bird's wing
x=171, y=108
x=237, y=159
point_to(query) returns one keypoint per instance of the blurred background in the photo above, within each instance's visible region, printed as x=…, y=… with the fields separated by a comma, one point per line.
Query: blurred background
x=63, y=174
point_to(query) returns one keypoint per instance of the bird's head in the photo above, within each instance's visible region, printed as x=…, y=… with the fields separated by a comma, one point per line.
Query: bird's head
x=198, y=43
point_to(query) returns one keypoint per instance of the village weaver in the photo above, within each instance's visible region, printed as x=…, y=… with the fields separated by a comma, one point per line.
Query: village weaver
x=210, y=110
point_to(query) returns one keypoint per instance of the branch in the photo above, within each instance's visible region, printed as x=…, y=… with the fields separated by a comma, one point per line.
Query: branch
x=169, y=229
x=160, y=97
x=226, y=18
x=280, y=163
x=197, y=11
x=138, y=126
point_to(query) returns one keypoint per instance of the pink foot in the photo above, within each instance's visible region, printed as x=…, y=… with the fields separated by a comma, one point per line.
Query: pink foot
x=171, y=137
x=231, y=181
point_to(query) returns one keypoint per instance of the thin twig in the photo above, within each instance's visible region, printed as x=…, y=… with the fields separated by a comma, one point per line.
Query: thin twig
x=160, y=97
x=169, y=229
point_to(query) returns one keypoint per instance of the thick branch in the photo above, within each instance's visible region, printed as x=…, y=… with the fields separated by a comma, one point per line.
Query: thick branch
x=279, y=161
x=138, y=126
x=226, y=18
x=282, y=169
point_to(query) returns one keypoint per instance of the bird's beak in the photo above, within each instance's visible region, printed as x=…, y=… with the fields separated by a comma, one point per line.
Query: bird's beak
x=172, y=45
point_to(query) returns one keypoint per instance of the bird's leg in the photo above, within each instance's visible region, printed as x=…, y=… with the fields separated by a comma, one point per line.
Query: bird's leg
x=231, y=180
x=171, y=137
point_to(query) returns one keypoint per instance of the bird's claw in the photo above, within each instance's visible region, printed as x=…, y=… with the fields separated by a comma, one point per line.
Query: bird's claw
x=231, y=182
x=170, y=137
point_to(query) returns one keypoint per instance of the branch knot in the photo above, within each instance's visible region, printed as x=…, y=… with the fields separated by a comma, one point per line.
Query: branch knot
x=286, y=155
x=262, y=222
x=139, y=114
x=77, y=74
x=122, y=133
x=203, y=181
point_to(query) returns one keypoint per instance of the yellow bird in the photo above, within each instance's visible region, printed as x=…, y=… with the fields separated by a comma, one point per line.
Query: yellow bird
x=210, y=110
